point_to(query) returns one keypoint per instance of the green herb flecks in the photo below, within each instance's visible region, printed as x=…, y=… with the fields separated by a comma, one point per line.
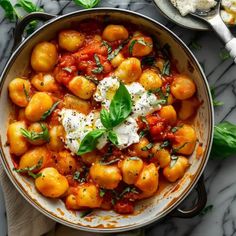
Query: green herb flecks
x=166, y=68
x=128, y=190
x=215, y=102
x=147, y=147
x=49, y=112
x=173, y=161
x=99, y=68
x=32, y=135
x=29, y=170
x=139, y=41
x=102, y=192
x=26, y=93
x=114, y=53
x=175, y=150
x=106, y=44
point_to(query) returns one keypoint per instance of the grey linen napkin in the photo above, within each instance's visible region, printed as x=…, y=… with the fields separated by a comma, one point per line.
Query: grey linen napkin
x=22, y=218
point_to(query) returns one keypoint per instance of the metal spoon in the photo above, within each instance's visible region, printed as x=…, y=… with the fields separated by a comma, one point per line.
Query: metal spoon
x=213, y=18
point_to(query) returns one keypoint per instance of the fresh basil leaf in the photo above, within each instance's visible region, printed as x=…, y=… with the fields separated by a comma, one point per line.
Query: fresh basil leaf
x=224, y=140
x=93, y=79
x=99, y=68
x=106, y=44
x=139, y=41
x=49, y=112
x=28, y=6
x=175, y=150
x=89, y=142
x=117, y=50
x=121, y=105
x=110, y=162
x=102, y=192
x=105, y=119
x=32, y=136
x=134, y=158
x=26, y=93
x=113, y=137
x=176, y=128
x=10, y=11
x=215, y=102
x=76, y=175
x=166, y=68
x=173, y=161
x=143, y=133
x=128, y=190
x=147, y=147
x=29, y=170
x=87, y=3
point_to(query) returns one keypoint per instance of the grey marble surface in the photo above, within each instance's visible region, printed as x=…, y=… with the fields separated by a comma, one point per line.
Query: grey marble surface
x=220, y=176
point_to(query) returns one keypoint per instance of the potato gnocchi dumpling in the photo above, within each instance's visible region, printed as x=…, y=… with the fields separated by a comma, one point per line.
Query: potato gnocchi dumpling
x=44, y=57
x=101, y=113
x=51, y=183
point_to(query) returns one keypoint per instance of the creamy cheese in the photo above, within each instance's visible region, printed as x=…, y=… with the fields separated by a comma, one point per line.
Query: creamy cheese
x=77, y=125
x=189, y=6
x=143, y=102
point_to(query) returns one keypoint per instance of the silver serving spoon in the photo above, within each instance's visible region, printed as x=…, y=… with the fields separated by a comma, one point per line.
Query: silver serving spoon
x=213, y=18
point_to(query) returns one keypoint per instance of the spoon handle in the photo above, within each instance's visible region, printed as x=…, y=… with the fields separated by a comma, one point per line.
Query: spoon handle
x=225, y=34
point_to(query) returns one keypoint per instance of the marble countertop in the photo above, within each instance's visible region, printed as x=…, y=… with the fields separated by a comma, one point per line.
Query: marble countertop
x=219, y=176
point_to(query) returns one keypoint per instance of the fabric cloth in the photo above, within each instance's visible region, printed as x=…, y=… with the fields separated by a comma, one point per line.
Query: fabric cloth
x=25, y=220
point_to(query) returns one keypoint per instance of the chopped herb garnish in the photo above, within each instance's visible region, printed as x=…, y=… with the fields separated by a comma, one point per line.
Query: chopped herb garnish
x=49, y=112
x=117, y=50
x=29, y=170
x=99, y=68
x=93, y=79
x=174, y=159
x=143, y=133
x=109, y=162
x=68, y=69
x=134, y=158
x=32, y=135
x=76, y=175
x=128, y=190
x=206, y=210
x=176, y=128
x=147, y=147
x=113, y=201
x=140, y=41
x=86, y=213
x=26, y=93
x=166, y=68
x=102, y=192
x=109, y=48
x=175, y=150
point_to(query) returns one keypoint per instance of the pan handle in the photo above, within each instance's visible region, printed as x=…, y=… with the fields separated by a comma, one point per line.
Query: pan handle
x=19, y=30
x=201, y=203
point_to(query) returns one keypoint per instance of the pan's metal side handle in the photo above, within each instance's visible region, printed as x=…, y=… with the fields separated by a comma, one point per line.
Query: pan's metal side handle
x=201, y=203
x=19, y=30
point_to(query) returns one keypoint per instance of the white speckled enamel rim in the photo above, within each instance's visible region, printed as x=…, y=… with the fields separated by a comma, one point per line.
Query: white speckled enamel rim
x=150, y=210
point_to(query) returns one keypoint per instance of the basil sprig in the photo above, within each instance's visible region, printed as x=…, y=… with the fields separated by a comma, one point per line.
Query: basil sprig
x=32, y=135
x=120, y=109
x=29, y=170
x=139, y=41
x=99, y=68
x=49, y=112
x=87, y=3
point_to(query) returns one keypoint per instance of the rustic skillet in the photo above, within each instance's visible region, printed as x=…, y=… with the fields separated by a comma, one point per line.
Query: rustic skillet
x=147, y=211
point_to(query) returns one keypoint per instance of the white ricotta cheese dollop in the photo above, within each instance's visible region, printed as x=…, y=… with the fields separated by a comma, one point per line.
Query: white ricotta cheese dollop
x=189, y=6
